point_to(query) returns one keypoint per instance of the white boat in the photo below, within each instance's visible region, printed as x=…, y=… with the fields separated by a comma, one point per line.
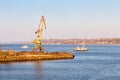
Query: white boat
x=80, y=49
x=25, y=46
x=83, y=48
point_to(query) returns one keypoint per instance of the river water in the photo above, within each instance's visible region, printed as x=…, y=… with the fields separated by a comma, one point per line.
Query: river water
x=101, y=62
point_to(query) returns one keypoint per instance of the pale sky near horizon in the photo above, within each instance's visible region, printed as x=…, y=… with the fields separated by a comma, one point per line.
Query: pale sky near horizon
x=64, y=19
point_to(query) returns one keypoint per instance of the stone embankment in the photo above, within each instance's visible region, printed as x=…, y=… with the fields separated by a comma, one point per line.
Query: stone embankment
x=10, y=55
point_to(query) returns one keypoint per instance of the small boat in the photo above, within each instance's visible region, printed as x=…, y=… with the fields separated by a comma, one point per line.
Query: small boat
x=80, y=49
x=83, y=48
x=25, y=46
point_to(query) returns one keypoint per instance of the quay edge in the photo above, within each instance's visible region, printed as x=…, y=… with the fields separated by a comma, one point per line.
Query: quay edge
x=9, y=56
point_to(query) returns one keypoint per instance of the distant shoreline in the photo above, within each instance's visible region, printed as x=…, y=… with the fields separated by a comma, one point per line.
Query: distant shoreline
x=100, y=41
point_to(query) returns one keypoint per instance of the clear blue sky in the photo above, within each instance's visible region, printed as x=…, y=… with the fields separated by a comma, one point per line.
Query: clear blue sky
x=64, y=18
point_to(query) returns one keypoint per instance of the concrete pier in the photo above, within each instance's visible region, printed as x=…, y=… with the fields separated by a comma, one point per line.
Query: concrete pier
x=10, y=55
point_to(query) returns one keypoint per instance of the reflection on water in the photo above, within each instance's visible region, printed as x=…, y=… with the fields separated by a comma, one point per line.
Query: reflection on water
x=38, y=70
x=21, y=70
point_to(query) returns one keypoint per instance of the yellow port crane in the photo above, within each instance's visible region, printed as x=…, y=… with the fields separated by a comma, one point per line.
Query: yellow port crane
x=38, y=41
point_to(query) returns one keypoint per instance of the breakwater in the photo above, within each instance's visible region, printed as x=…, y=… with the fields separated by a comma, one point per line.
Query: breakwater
x=10, y=55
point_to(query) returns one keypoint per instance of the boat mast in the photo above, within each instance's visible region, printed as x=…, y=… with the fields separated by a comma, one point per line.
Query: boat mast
x=83, y=44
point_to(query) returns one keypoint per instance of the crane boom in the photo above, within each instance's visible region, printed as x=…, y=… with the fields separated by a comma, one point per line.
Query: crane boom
x=40, y=28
